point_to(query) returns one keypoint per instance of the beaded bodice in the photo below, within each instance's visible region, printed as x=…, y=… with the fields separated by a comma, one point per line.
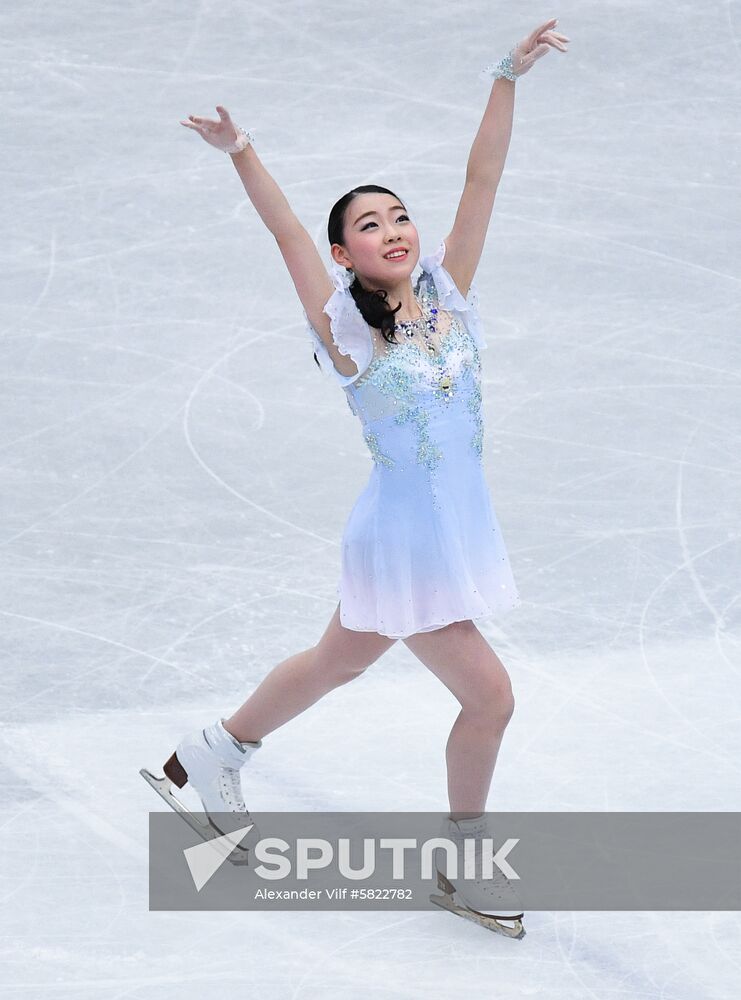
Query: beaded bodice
x=414, y=404
x=420, y=409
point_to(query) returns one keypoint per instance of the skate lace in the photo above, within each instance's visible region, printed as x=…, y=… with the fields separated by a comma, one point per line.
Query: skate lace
x=231, y=789
x=498, y=884
x=498, y=881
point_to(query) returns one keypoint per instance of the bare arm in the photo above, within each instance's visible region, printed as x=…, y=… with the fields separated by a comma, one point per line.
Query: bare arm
x=304, y=263
x=464, y=244
x=269, y=201
x=491, y=144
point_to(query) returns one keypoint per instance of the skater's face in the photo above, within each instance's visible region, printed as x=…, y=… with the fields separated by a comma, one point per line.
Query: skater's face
x=376, y=224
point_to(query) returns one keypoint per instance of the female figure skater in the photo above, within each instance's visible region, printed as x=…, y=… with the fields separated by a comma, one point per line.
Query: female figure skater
x=422, y=553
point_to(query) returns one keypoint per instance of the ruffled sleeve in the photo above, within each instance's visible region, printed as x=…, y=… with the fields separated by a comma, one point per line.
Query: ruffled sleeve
x=450, y=297
x=350, y=333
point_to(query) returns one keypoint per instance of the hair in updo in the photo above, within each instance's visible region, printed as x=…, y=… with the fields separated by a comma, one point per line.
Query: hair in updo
x=373, y=305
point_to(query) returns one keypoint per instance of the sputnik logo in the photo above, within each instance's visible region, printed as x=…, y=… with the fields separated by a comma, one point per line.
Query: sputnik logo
x=204, y=860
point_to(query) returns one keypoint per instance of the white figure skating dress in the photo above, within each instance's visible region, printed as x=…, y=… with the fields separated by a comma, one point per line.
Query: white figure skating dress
x=422, y=545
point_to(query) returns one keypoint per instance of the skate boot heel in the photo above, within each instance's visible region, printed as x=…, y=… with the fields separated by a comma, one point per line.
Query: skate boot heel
x=175, y=771
x=444, y=884
x=209, y=762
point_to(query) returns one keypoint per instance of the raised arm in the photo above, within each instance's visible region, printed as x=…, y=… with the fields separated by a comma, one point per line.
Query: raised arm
x=304, y=263
x=465, y=242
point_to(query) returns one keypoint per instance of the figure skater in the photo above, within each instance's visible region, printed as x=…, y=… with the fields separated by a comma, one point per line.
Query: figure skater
x=422, y=554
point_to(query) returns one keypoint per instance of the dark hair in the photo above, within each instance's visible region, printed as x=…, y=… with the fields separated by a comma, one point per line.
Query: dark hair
x=373, y=305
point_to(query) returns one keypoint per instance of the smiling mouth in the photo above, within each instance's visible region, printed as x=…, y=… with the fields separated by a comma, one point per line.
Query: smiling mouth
x=396, y=255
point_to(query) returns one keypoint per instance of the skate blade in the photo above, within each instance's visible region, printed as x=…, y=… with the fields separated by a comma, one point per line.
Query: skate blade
x=508, y=923
x=446, y=902
x=206, y=830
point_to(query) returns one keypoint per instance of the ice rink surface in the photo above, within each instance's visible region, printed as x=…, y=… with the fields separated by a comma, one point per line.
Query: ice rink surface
x=177, y=472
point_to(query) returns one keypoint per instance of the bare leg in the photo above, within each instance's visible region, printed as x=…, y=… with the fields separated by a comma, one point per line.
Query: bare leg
x=340, y=655
x=465, y=662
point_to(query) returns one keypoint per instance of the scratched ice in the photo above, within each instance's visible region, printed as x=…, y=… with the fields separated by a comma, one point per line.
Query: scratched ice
x=177, y=472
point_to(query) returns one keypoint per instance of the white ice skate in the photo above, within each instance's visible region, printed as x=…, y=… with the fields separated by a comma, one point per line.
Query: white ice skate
x=492, y=903
x=209, y=761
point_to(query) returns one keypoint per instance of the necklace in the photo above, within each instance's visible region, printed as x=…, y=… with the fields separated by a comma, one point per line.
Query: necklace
x=426, y=324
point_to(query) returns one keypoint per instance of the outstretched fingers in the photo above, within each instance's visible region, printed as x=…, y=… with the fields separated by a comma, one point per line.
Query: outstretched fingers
x=556, y=40
x=535, y=35
x=207, y=127
x=194, y=123
x=199, y=123
x=546, y=35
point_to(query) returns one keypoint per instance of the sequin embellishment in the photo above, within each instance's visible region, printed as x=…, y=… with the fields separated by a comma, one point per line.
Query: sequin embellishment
x=405, y=373
x=415, y=383
x=378, y=457
x=427, y=453
x=474, y=405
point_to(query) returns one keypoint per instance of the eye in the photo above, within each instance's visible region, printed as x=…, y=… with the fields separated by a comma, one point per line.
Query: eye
x=363, y=228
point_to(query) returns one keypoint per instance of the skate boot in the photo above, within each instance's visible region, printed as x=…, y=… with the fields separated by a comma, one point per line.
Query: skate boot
x=490, y=902
x=209, y=761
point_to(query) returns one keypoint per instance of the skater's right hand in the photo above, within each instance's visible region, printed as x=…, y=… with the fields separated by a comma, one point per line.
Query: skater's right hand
x=221, y=134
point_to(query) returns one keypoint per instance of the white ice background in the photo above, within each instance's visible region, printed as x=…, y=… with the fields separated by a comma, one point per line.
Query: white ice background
x=176, y=472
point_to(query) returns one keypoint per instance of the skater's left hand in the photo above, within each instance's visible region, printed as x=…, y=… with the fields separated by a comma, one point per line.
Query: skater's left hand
x=537, y=43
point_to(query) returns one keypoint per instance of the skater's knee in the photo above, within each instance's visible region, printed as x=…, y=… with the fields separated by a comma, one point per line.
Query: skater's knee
x=506, y=707
x=492, y=701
